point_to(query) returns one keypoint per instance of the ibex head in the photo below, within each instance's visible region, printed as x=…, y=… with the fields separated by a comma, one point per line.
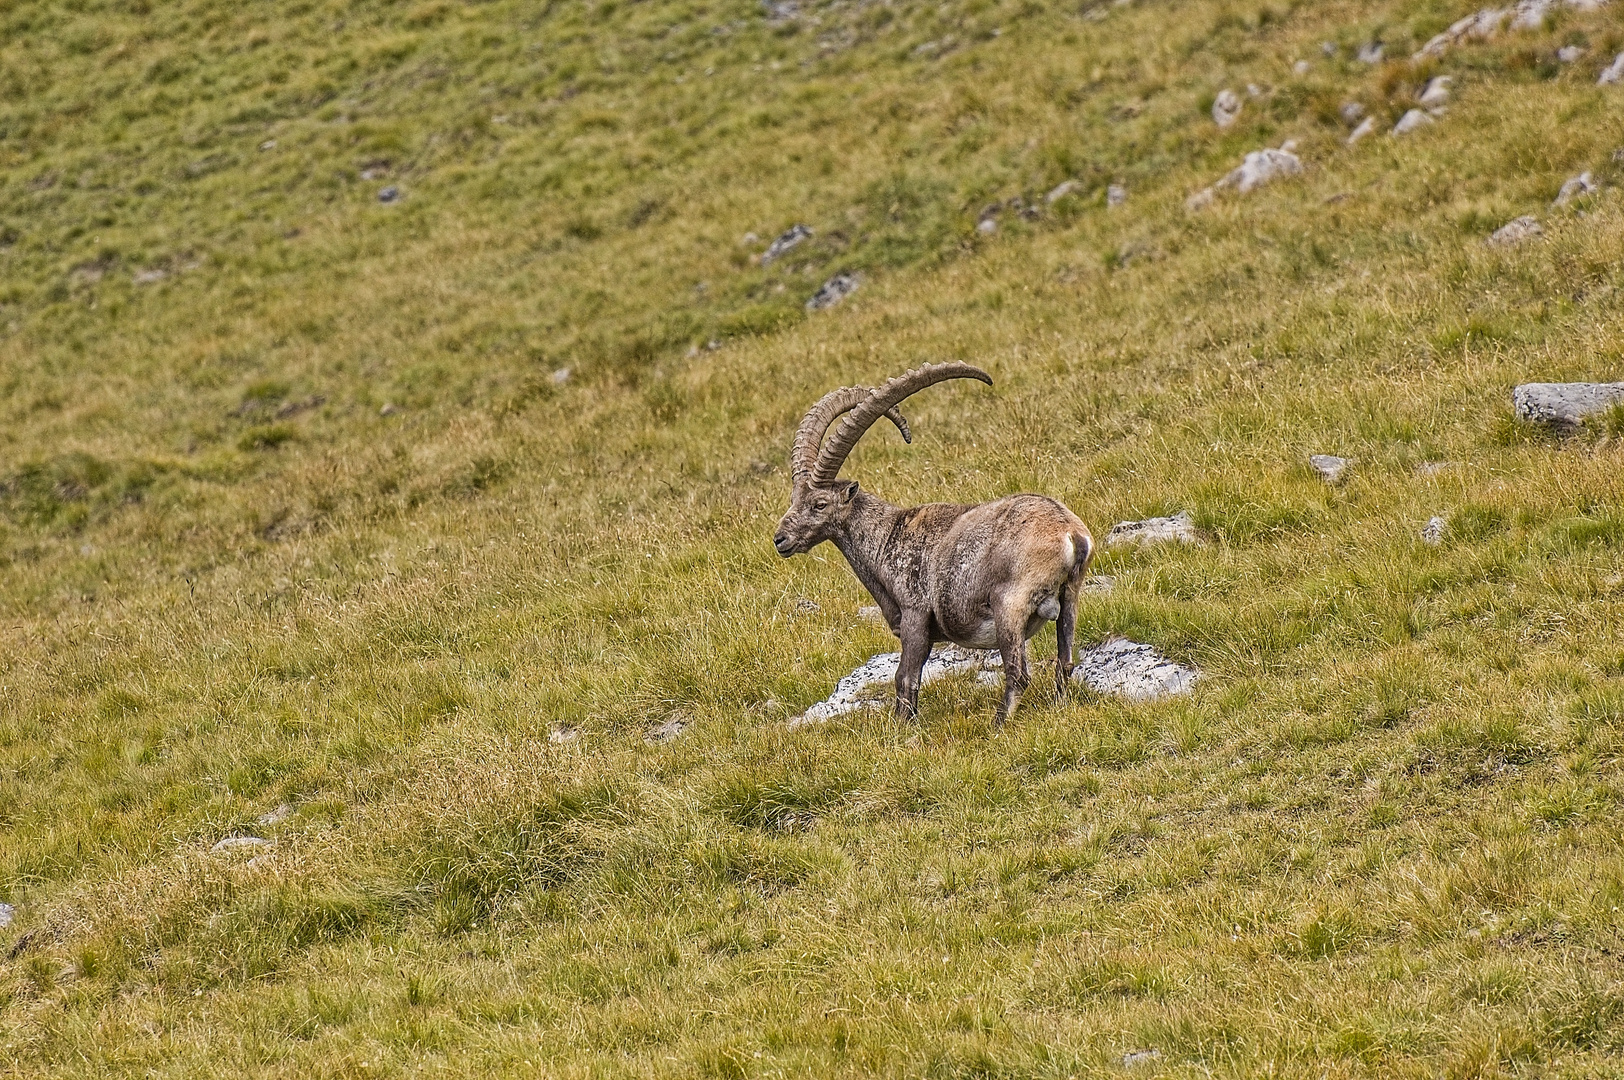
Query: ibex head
x=821, y=504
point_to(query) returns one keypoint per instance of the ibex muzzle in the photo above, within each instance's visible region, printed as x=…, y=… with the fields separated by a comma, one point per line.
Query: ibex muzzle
x=986, y=576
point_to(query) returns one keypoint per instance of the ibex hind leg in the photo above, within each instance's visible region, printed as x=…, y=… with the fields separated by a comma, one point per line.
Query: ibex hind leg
x=1010, y=624
x=1065, y=627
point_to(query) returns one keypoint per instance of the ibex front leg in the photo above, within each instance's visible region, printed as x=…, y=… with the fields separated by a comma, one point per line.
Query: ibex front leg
x=915, y=651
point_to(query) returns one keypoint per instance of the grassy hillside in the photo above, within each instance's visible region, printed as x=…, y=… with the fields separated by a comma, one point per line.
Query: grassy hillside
x=294, y=513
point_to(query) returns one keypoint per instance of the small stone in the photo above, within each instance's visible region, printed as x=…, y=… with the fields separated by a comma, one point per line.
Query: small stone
x=374, y=172
x=1226, y=108
x=1517, y=231
x=268, y=144
x=1371, y=52
x=277, y=815
x=7, y=913
x=1328, y=48
x=1613, y=74
x=562, y=376
x=1411, y=121
x=1570, y=54
x=1564, y=404
x=563, y=735
x=749, y=239
x=1135, y=1058
x=1131, y=670
x=871, y=613
x=1433, y=532
x=1253, y=90
x=1115, y=195
x=987, y=226
x=1575, y=188
x=1302, y=67
x=833, y=291
x=389, y=409
x=149, y=277
x=804, y=606
x=667, y=731
x=1351, y=112
x=1098, y=584
x=1330, y=467
x=1156, y=530
x=1201, y=199
x=1261, y=167
x=1060, y=191
x=389, y=194
x=1367, y=126
x=238, y=843
x=787, y=241
x=1436, y=93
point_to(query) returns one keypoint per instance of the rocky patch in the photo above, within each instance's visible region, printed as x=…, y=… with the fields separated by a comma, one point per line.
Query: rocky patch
x=1226, y=109
x=1180, y=529
x=1564, y=404
x=1128, y=669
x=787, y=241
x=1517, y=231
x=1330, y=467
x=833, y=291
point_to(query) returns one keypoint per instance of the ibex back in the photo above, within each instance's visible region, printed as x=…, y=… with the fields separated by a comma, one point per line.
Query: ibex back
x=985, y=576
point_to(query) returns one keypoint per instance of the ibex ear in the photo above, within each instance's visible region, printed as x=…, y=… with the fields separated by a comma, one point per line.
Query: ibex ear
x=850, y=491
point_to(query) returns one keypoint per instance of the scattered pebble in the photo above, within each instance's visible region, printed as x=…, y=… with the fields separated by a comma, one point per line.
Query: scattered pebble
x=562, y=376
x=987, y=226
x=1253, y=90
x=1200, y=199
x=563, y=735
x=1564, y=404
x=1330, y=467
x=277, y=815
x=1180, y=528
x=1516, y=231
x=1351, y=112
x=268, y=144
x=1115, y=195
x=1261, y=167
x=1134, y=1058
x=787, y=241
x=1099, y=584
x=389, y=409
x=1226, y=108
x=807, y=607
x=1060, y=191
x=389, y=194
x=7, y=913
x=1436, y=94
x=1367, y=126
x=1570, y=54
x=749, y=239
x=667, y=731
x=1411, y=121
x=1433, y=532
x=1328, y=48
x=1372, y=52
x=833, y=291
x=238, y=843
x=374, y=172
x=1575, y=188
x=1302, y=67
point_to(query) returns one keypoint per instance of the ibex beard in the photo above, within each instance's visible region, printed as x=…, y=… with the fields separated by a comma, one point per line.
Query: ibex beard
x=987, y=576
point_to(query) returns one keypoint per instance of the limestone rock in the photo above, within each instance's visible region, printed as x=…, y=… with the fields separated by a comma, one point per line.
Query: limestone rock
x=786, y=242
x=1330, y=467
x=1302, y=67
x=1351, y=112
x=277, y=815
x=987, y=226
x=1367, y=126
x=1575, y=188
x=1060, y=191
x=1570, y=54
x=1479, y=26
x=1564, y=404
x=1530, y=14
x=1429, y=469
x=1436, y=94
x=149, y=277
x=1371, y=52
x=238, y=843
x=1156, y=530
x=1516, y=231
x=1261, y=167
x=833, y=291
x=389, y=194
x=667, y=731
x=7, y=913
x=1115, y=195
x=1135, y=1058
x=1200, y=200
x=871, y=613
x=563, y=735
x=853, y=692
x=1226, y=108
x=1433, y=532
x=1411, y=121
x=805, y=606
x=1614, y=73
x=562, y=376
x=1128, y=669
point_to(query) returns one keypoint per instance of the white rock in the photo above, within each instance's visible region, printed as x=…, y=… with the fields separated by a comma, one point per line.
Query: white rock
x=1564, y=404
x=787, y=241
x=7, y=913
x=563, y=735
x=1060, y=191
x=1614, y=73
x=1179, y=528
x=851, y=691
x=1302, y=67
x=987, y=226
x=1098, y=584
x=667, y=731
x=1135, y=1058
x=1127, y=669
x=238, y=843
x=1253, y=90
x=1569, y=54
x=1433, y=532
x=1530, y=14
x=1410, y=121
x=1200, y=200
x=833, y=291
x=1261, y=167
x=1289, y=146
x=148, y=277
x=1430, y=469
x=1437, y=92
x=268, y=144
x=1351, y=112
x=1367, y=126
x=1479, y=26
x=276, y=815
x=1516, y=231
x=561, y=376
x=1226, y=108
x=1330, y=467
x=1371, y=52
x=1115, y=195
x=1575, y=188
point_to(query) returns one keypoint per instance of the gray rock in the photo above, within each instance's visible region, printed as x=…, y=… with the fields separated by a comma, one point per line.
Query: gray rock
x=1115, y=195
x=1351, y=112
x=1576, y=188
x=1433, y=531
x=7, y=913
x=1371, y=52
x=667, y=731
x=1330, y=467
x=1516, y=231
x=1613, y=74
x=563, y=735
x=238, y=843
x=1413, y=120
x=855, y=691
x=1564, y=404
x=1328, y=48
x=787, y=241
x=149, y=277
x=1098, y=584
x=1570, y=54
x=277, y=815
x=1479, y=26
x=1302, y=67
x=389, y=409
x=1128, y=669
x=389, y=194
x=1253, y=90
x=804, y=606
x=1262, y=167
x=1135, y=1058
x=561, y=376
x=833, y=291
x=1060, y=191
x=1367, y=126
x=1530, y=14
x=1226, y=108
x=1179, y=528
x=268, y=144
x=1436, y=93
x=987, y=226
x=1201, y=199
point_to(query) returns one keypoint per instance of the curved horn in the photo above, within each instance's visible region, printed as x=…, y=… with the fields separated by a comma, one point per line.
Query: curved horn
x=880, y=402
x=815, y=425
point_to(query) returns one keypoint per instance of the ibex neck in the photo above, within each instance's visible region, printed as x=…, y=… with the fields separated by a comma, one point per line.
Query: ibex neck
x=865, y=541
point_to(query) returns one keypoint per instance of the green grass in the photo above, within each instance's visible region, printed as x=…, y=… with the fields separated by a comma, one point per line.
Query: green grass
x=1381, y=839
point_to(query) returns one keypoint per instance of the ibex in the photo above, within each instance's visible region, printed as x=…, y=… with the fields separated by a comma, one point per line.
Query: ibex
x=982, y=577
